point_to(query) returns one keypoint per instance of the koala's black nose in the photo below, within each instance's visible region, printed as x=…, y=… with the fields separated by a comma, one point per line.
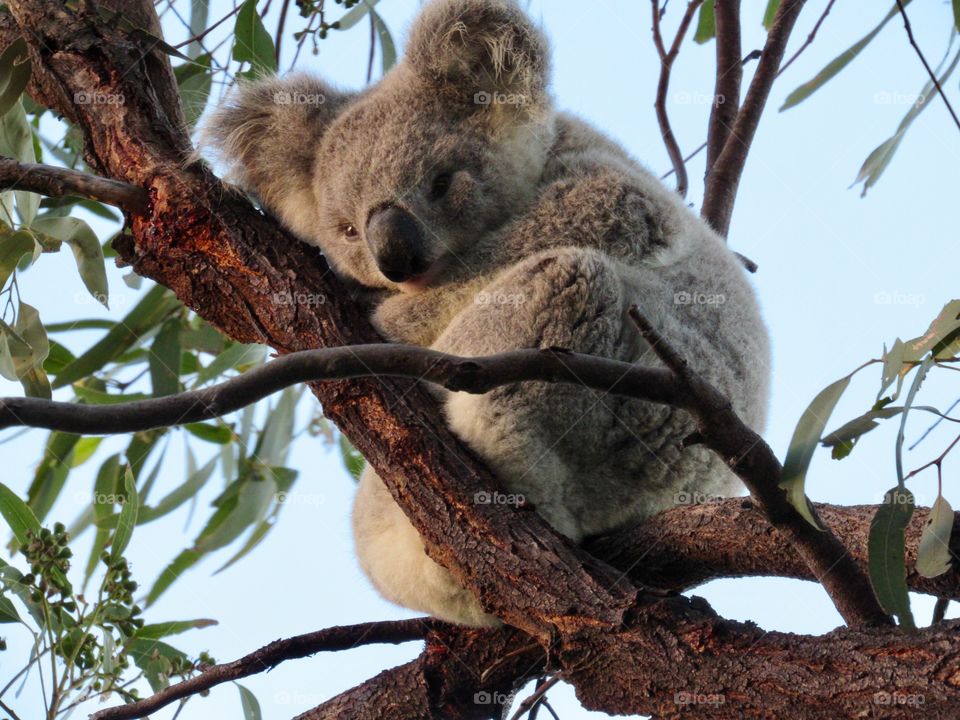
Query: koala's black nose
x=397, y=244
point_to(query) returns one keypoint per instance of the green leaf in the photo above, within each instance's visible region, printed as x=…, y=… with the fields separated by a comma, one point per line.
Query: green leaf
x=277, y=433
x=218, y=434
x=357, y=14
x=770, y=13
x=352, y=460
x=155, y=306
x=156, y=631
x=252, y=42
x=165, y=359
x=837, y=64
x=98, y=397
x=16, y=141
x=58, y=358
x=128, y=517
x=180, y=564
x=23, y=348
x=91, y=324
x=17, y=514
x=14, y=73
x=878, y=160
x=13, y=246
x=105, y=494
x=908, y=403
x=51, y=473
x=933, y=555
x=86, y=250
x=886, y=548
x=194, y=482
x=8, y=613
x=235, y=357
x=388, y=50
x=804, y=442
x=956, y=14
x=245, y=506
x=154, y=658
x=256, y=537
x=706, y=23
x=199, y=13
x=194, y=80
x=248, y=701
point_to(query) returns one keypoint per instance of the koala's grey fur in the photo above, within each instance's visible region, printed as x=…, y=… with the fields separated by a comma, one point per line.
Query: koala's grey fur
x=535, y=231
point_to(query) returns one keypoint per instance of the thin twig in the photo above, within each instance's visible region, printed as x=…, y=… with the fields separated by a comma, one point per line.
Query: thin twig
x=529, y=703
x=58, y=182
x=933, y=75
x=269, y=656
x=218, y=23
x=809, y=41
x=280, y=25
x=667, y=59
x=755, y=464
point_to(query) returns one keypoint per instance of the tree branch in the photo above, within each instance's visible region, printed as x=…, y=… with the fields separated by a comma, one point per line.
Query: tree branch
x=810, y=38
x=269, y=656
x=723, y=177
x=57, y=182
x=691, y=544
x=754, y=462
x=473, y=375
x=726, y=94
x=926, y=65
x=667, y=59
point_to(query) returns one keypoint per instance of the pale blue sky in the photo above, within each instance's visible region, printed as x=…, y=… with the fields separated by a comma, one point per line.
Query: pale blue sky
x=826, y=260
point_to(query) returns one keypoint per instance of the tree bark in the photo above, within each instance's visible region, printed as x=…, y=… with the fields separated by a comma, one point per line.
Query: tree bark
x=624, y=648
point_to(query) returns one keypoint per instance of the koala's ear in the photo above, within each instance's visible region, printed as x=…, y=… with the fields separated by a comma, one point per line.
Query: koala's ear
x=267, y=133
x=475, y=48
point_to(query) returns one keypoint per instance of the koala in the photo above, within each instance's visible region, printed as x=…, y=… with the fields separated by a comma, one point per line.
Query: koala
x=478, y=219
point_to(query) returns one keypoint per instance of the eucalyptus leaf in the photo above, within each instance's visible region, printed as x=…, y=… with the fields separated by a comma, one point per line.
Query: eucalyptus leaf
x=770, y=13
x=252, y=42
x=833, y=68
x=18, y=516
x=356, y=14
x=706, y=23
x=14, y=73
x=86, y=250
x=165, y=359
x=933, y=556
x=886, y=548
x=128, y=516
x=249, y=704
x=388, y=50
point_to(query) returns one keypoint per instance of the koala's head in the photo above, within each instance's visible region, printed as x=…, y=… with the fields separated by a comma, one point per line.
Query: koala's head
x=399, y=181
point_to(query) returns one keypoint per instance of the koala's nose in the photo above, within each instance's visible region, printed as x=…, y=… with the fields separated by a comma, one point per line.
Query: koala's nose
x=394, y=237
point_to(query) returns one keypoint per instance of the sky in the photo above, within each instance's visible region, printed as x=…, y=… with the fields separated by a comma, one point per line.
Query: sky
x=839, y=276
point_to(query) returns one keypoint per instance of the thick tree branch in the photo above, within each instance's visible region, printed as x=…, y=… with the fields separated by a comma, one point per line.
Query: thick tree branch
x=726, y=94
x=689, y=545
x=754, y=462
x=723, y=177
x=57, y=182
x=269, y=656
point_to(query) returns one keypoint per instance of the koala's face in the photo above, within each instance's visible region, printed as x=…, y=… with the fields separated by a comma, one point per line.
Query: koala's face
x=406, y=184
x=396, y=184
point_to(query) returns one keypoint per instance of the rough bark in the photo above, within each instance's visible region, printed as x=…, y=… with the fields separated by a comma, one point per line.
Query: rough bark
x=624, y=649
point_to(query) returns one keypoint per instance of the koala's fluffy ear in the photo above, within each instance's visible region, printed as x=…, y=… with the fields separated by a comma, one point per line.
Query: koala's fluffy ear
x=267, y=133
x=475, y=48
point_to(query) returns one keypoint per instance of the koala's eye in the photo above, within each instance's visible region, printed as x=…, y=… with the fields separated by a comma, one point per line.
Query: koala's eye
x=349, y=231
x=441, y=184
